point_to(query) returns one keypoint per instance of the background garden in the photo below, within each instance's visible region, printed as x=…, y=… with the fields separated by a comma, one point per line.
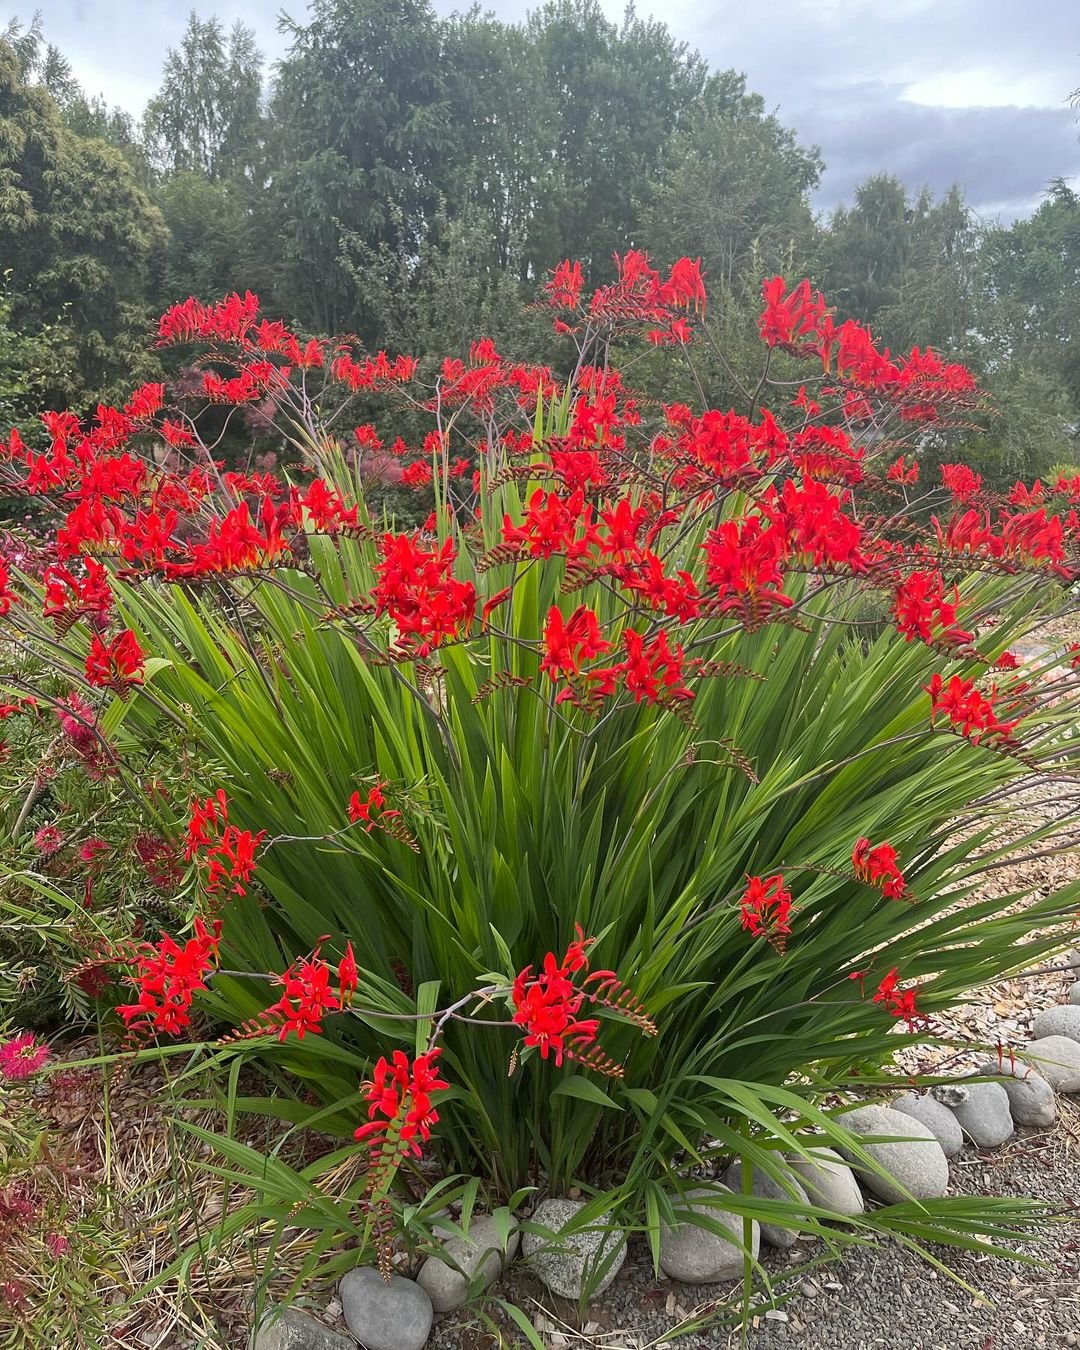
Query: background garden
x=511, y=740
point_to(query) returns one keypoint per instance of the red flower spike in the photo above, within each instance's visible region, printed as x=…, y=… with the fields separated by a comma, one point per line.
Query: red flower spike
x=115, y=665
x=167, y=978
x=923, y=610
x=878, y=866
x=765, y=910
x=227, y=853
x=970, y=712
x=348, y=976
x=900, y=1003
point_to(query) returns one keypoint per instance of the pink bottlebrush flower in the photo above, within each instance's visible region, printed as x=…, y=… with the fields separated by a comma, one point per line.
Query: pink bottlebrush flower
x=49, y=840
x=57, y=1244
x=22, y=1056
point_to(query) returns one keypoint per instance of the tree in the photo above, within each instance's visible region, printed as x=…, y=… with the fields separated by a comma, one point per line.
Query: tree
x=617, y=95
x=501, y=114
x=1031, y=313
x=908, y=264
x=735, y=186
x=361, y=139
x=77, y=233
x=207, y=117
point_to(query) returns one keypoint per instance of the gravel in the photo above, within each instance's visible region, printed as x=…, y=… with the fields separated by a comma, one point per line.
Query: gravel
x=882, y=1296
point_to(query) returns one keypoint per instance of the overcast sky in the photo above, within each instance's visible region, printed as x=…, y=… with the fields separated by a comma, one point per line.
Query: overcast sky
x=935, y=91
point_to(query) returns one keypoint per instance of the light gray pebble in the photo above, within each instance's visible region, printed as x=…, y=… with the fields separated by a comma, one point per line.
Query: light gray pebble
x=829, y=1182
x=985, y=1116
x=1031, y=1098
x=1062, y=1021
x=564, y=1263
x=1057, y=1058
x=936, y=1117
x=1074, y=993
x=693, y=1254
x=481, y=1253
x=913, y=1167
x=394, y=1316
x=291, y=1329
x=768, y=1187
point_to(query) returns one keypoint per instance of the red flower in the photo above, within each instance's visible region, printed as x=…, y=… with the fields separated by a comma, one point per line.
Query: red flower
x=348, y=975
x=7, y=595
x=900, y=1002
x=766, y=909
x=546, y=1006
x=417, y=589
x=68, y=597
x=744, y=565
x=167, y=977
x=569, y=642
x=899, y=472
x=361, y=809
x=22, y=1056
x=653, y=671
x=788, y=316
x=307, y=999
x=553, y=524
x=878, y=865
x=564, y=288
x=922, y=610
x=964, y=483
x=228, y=853
x=400, y=1093
x=969, y=711
x=49, y=840
x=115, y=665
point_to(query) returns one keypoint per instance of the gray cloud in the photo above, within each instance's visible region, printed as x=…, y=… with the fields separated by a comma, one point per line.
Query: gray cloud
x=972, y=91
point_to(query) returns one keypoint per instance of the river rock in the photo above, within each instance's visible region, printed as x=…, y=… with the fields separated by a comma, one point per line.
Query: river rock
x=829, y=1182
x=1074, y=993
x=1063, y=1021
x=479, y=1254
x=769, y=1188
x=914, y=1167
x=1031, y=1098
x=985, y=1116
x=564, y=1264
x=695, y=1255
x=394, y=1316
x=937, y=1117
x=291, y=1329
x=1057, y=1058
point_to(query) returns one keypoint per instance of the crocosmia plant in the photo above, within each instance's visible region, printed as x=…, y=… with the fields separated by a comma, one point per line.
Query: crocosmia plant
x=620, y=800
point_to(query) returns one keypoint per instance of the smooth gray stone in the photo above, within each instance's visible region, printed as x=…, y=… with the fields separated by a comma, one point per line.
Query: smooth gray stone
x=936, y=1117
x=915, y=1167
x=768, y=1188
x=1062, y=1021
x=694, y=1255
x=1057, y=1058
x=394, y=1316
x=829, y=1182
x=985, y=1117
x=1031, y=1098
x=1074, y=993
x=481, y=1253
x=291, y=1329
x=561, y=1264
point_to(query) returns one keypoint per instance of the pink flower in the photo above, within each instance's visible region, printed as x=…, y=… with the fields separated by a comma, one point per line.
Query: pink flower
x=57, y=1244
x=49, y=840
x=22, y=1056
